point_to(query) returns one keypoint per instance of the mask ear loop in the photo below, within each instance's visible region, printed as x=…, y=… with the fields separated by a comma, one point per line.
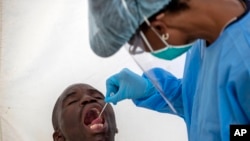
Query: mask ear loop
x=146, y=41
x=154, y=30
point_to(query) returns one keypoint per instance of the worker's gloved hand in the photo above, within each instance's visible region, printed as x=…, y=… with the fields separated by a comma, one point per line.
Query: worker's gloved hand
x=127, y=85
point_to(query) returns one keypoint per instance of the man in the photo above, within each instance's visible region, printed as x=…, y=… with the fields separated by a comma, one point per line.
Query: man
x=76, y=112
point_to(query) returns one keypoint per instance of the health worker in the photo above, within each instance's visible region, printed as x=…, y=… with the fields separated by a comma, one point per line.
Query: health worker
x=214, y=92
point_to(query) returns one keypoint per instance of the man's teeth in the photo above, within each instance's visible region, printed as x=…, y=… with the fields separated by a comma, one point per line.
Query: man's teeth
x=96, y=126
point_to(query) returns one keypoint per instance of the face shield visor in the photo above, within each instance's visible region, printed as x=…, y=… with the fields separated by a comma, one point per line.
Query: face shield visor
x=140, y=50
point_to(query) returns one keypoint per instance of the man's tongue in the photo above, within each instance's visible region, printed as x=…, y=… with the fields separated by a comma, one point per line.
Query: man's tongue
x=97, y=120
x=92, y=118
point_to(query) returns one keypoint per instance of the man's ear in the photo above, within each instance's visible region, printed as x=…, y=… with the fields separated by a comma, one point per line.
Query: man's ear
x=58, y=136
x=116, y=130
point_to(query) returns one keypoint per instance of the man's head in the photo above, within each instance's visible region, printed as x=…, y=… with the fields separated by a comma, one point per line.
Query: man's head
x=75, y=115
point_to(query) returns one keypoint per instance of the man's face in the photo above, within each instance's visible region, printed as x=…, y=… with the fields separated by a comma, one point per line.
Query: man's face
x=78, y=110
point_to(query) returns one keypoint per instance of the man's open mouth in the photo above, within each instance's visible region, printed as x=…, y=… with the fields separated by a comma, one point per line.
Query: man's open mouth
x=92, y=119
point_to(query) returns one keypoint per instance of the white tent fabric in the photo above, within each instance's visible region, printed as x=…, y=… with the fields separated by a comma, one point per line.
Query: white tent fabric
x=44, y=49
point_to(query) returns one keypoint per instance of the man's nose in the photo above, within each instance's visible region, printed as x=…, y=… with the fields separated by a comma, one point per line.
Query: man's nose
x=87, y=99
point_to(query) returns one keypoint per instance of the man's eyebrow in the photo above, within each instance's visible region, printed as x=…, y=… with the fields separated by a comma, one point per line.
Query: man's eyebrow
x=96, y=91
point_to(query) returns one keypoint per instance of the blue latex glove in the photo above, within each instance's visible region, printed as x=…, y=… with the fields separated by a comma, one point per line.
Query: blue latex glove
x=127, y=85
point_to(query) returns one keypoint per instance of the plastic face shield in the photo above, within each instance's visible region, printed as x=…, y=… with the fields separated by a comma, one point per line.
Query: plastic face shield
x=146, y=61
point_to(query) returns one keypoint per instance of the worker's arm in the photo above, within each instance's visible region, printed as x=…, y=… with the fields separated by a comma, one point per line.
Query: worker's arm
x=172, y=89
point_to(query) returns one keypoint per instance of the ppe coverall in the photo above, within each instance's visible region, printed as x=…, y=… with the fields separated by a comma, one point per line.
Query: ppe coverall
x=215, y=90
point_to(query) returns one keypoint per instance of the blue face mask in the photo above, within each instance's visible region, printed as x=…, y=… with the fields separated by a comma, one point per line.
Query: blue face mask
x=171, y=52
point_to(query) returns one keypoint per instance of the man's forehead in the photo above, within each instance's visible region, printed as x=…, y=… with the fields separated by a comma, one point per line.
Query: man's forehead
x=76, y=88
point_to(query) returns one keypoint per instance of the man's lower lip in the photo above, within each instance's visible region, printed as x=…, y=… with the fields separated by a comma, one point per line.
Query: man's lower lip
x=96, y=127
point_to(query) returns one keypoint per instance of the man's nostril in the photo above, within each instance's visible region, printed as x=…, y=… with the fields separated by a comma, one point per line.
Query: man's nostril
x=84, y=102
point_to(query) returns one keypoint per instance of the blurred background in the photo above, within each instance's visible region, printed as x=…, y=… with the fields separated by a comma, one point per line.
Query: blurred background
x=44, y=49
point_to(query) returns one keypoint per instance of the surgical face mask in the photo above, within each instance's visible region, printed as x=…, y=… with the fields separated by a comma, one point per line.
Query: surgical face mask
x=171, y=52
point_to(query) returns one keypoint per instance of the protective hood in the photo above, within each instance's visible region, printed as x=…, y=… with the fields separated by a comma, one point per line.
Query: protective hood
x=113, y=22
